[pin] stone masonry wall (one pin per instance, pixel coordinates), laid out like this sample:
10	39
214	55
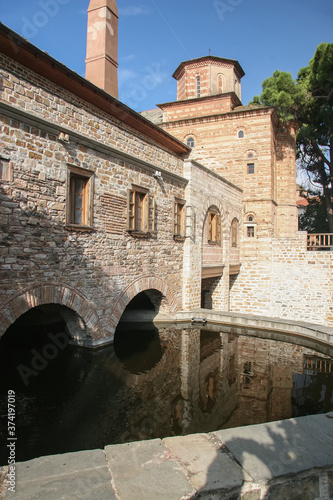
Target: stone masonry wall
296	284
100	269
204	190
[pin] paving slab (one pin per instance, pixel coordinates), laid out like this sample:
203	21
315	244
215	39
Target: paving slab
83	475
145	470
274	449
208	466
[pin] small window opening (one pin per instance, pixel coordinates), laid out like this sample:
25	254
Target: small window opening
250	168
198	86
190	142
250	231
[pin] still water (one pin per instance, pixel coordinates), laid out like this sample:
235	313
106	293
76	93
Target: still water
153	383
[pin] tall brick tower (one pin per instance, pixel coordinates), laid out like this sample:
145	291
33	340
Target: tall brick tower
102	45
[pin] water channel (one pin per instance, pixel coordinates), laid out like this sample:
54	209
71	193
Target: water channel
152	383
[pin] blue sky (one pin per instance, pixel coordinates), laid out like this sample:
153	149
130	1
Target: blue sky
155	36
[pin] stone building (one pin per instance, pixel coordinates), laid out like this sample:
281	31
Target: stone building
99	205
249	147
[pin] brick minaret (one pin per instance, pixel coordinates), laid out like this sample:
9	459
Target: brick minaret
102	45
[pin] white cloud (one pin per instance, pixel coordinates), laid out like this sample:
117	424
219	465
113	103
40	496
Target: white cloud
133	10
130	57
124	75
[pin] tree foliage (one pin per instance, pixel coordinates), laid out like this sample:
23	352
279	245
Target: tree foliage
308	101
314	217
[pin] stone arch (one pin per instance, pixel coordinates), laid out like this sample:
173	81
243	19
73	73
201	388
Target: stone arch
54	293
255	151
239	129
212	201
189	135
234	230
140	285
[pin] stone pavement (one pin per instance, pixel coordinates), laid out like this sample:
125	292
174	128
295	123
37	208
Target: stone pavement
288	459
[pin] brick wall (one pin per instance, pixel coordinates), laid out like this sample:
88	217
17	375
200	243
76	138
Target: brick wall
294	283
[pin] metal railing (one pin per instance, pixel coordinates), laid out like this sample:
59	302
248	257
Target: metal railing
320	241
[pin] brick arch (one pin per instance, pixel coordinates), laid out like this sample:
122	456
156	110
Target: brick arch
256	150
140	285
213	201
55	293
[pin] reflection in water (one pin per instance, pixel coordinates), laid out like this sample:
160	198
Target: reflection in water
154	383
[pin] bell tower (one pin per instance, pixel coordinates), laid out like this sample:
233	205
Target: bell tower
102	45
208	76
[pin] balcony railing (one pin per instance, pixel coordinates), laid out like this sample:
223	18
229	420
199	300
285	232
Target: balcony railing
320	241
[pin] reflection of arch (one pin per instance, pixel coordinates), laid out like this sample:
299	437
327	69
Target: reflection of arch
140	285
54	293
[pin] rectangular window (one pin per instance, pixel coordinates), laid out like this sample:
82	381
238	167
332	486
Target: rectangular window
250	168
250	231
179	219
4	170
140	211
79	197
214	227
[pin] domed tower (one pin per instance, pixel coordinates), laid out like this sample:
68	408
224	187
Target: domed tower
207	76
102	45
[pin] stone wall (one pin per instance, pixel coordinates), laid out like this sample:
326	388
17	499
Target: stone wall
204	190
98	269
296	284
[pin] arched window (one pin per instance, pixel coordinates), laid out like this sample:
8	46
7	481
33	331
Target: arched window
241	134
234	233
190	142
220	84
214	227
250	167
198	86
250	226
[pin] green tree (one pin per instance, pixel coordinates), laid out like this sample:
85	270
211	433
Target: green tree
308	101
314	217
